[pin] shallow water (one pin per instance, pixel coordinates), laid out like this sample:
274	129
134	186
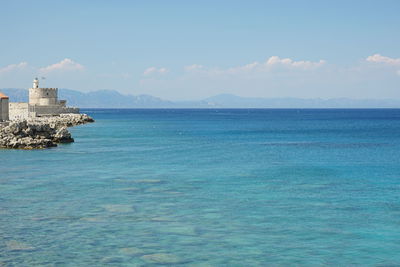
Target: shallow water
208	188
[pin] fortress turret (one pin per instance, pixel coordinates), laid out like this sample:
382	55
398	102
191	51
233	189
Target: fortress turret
42	96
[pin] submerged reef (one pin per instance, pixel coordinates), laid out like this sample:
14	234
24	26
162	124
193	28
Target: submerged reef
40	132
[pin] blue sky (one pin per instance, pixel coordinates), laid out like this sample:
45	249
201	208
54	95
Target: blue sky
193	49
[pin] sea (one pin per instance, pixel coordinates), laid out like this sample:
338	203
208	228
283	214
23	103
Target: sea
208	187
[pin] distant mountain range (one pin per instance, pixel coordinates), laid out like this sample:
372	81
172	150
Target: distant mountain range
114	99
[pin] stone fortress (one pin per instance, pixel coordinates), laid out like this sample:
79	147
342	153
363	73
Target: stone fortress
40	123
42	102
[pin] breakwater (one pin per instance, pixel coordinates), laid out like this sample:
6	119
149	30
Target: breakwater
40	132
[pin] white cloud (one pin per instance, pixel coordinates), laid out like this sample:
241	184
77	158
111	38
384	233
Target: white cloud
377	58
12	67
64	65
251	66
269	65
275	60
387	61
193	67
154	70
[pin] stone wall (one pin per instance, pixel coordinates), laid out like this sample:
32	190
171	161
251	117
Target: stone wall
69	110
18	110
4	109
50	110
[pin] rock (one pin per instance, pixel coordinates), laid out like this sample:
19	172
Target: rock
41	132
63	136
131	251
200	264
160	219
161	258
178	230
128	189
112	260
148	181
118	208
91	219
14	245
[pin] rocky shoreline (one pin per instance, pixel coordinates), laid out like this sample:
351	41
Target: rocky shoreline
40	132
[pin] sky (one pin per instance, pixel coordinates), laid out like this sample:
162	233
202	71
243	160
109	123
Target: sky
189	50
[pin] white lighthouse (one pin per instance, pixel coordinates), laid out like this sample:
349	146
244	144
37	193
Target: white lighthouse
35	83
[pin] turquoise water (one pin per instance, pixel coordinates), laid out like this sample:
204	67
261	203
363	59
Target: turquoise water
208	188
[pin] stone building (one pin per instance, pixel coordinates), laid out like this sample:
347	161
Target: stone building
42	102
4	108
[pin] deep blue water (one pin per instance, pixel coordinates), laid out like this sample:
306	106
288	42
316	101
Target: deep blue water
208	188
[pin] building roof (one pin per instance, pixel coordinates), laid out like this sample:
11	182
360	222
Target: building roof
3	96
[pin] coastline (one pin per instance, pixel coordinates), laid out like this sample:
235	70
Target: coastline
40	132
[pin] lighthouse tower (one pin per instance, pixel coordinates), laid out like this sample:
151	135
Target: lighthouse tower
35	83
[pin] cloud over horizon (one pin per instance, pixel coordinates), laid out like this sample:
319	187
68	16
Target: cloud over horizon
64	65
276	76
272	63
283	77
13	67
377	58
275	60
154	70
387	61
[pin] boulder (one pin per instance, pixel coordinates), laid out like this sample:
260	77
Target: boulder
42	132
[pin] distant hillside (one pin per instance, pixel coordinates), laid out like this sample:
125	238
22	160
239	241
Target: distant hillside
233	101
96	99
114	99
111	99
16	95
